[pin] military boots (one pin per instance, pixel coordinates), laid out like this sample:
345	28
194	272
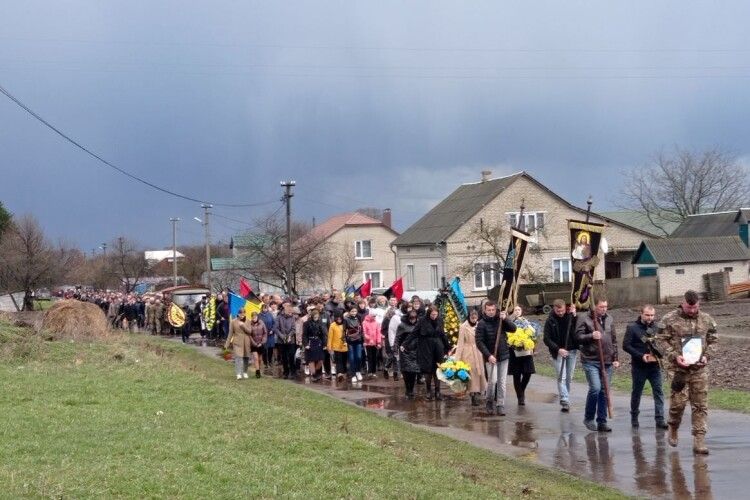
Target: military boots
699	445
672	438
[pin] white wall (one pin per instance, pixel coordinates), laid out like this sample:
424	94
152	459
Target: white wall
672	284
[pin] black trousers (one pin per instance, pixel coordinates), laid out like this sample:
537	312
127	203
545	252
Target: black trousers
372	358
430	379
520	381
326	362
287	359
340	359
410	378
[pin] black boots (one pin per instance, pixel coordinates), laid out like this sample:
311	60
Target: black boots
474	399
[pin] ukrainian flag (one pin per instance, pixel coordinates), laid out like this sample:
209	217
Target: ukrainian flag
237	303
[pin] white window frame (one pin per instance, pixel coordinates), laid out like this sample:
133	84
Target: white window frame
411	278
380	278
434	277
358	250
562	272
527	215
495	275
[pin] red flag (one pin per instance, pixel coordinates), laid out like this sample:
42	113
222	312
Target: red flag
245	288
396	289
365	289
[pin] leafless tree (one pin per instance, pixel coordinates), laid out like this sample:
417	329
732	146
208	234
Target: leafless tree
127	263
490	240
268	247
337	261
28	260
681	183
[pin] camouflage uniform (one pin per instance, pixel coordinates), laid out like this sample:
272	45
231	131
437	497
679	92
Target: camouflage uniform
675	327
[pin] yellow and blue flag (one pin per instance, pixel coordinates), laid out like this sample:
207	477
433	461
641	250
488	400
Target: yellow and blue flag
237	303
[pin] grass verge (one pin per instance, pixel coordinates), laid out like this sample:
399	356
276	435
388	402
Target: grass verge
134	416
725	399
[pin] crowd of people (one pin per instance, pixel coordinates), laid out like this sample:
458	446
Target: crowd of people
350	339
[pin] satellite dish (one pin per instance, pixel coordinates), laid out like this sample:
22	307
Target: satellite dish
604	246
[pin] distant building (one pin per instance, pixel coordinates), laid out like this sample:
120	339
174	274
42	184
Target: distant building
639	220
443	243
154	256
729	223
680	263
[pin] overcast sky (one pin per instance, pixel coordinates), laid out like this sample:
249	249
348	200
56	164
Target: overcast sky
386	104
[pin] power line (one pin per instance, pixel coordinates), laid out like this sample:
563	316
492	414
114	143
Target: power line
115	167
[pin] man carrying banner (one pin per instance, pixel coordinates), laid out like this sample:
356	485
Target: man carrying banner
595	335
492	342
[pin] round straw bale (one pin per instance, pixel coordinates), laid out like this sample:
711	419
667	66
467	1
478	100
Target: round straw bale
73	319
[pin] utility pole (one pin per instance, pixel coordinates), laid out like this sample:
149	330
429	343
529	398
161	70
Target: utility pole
174	221
287	198
205	208
104	248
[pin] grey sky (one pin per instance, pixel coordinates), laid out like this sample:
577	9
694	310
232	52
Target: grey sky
390	103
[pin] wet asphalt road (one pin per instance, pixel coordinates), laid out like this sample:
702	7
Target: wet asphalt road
638	462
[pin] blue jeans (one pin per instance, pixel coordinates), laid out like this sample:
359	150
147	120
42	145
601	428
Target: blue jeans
596	400
568	365
652	373
355	357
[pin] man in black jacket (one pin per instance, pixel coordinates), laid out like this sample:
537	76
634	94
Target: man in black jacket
559	337
496	354
645	366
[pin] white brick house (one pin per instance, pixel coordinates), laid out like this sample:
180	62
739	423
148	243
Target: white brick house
444	243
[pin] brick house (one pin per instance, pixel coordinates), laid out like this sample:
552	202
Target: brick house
445	243
359	246
355	247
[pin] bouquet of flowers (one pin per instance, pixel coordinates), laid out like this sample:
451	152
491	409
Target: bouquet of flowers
523	340
454	373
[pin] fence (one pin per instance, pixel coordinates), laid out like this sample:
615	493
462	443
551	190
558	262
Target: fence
620	292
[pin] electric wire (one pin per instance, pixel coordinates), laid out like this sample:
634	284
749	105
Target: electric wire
83	148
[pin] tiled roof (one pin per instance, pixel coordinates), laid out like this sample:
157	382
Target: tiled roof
694	250
332	225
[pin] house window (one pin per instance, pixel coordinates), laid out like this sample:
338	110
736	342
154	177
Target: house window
532	220
410	284
363	249
434	280
728	269
486	275
679	271
561	270
375	276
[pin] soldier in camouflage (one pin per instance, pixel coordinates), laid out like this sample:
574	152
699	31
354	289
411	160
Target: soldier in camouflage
689	381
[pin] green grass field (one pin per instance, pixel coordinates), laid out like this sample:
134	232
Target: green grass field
142	417
725	399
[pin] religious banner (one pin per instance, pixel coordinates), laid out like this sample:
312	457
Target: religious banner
585	239
519	240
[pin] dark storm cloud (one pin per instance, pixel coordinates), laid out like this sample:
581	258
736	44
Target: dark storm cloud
364	104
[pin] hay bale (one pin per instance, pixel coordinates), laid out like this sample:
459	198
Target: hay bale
73	319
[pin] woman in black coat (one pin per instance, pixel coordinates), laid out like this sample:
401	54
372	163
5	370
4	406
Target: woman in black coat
407	339
431	349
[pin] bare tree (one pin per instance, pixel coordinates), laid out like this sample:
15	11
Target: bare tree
673	186
490	240
127	263
28	260
268	248
337	261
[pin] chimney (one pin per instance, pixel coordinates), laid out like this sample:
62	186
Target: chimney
387	217
486	175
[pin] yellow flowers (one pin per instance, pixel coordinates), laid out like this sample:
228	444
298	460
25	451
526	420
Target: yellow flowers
451	322
522	338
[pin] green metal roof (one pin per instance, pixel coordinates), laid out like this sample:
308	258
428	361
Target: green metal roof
691	250
227	263
639	221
